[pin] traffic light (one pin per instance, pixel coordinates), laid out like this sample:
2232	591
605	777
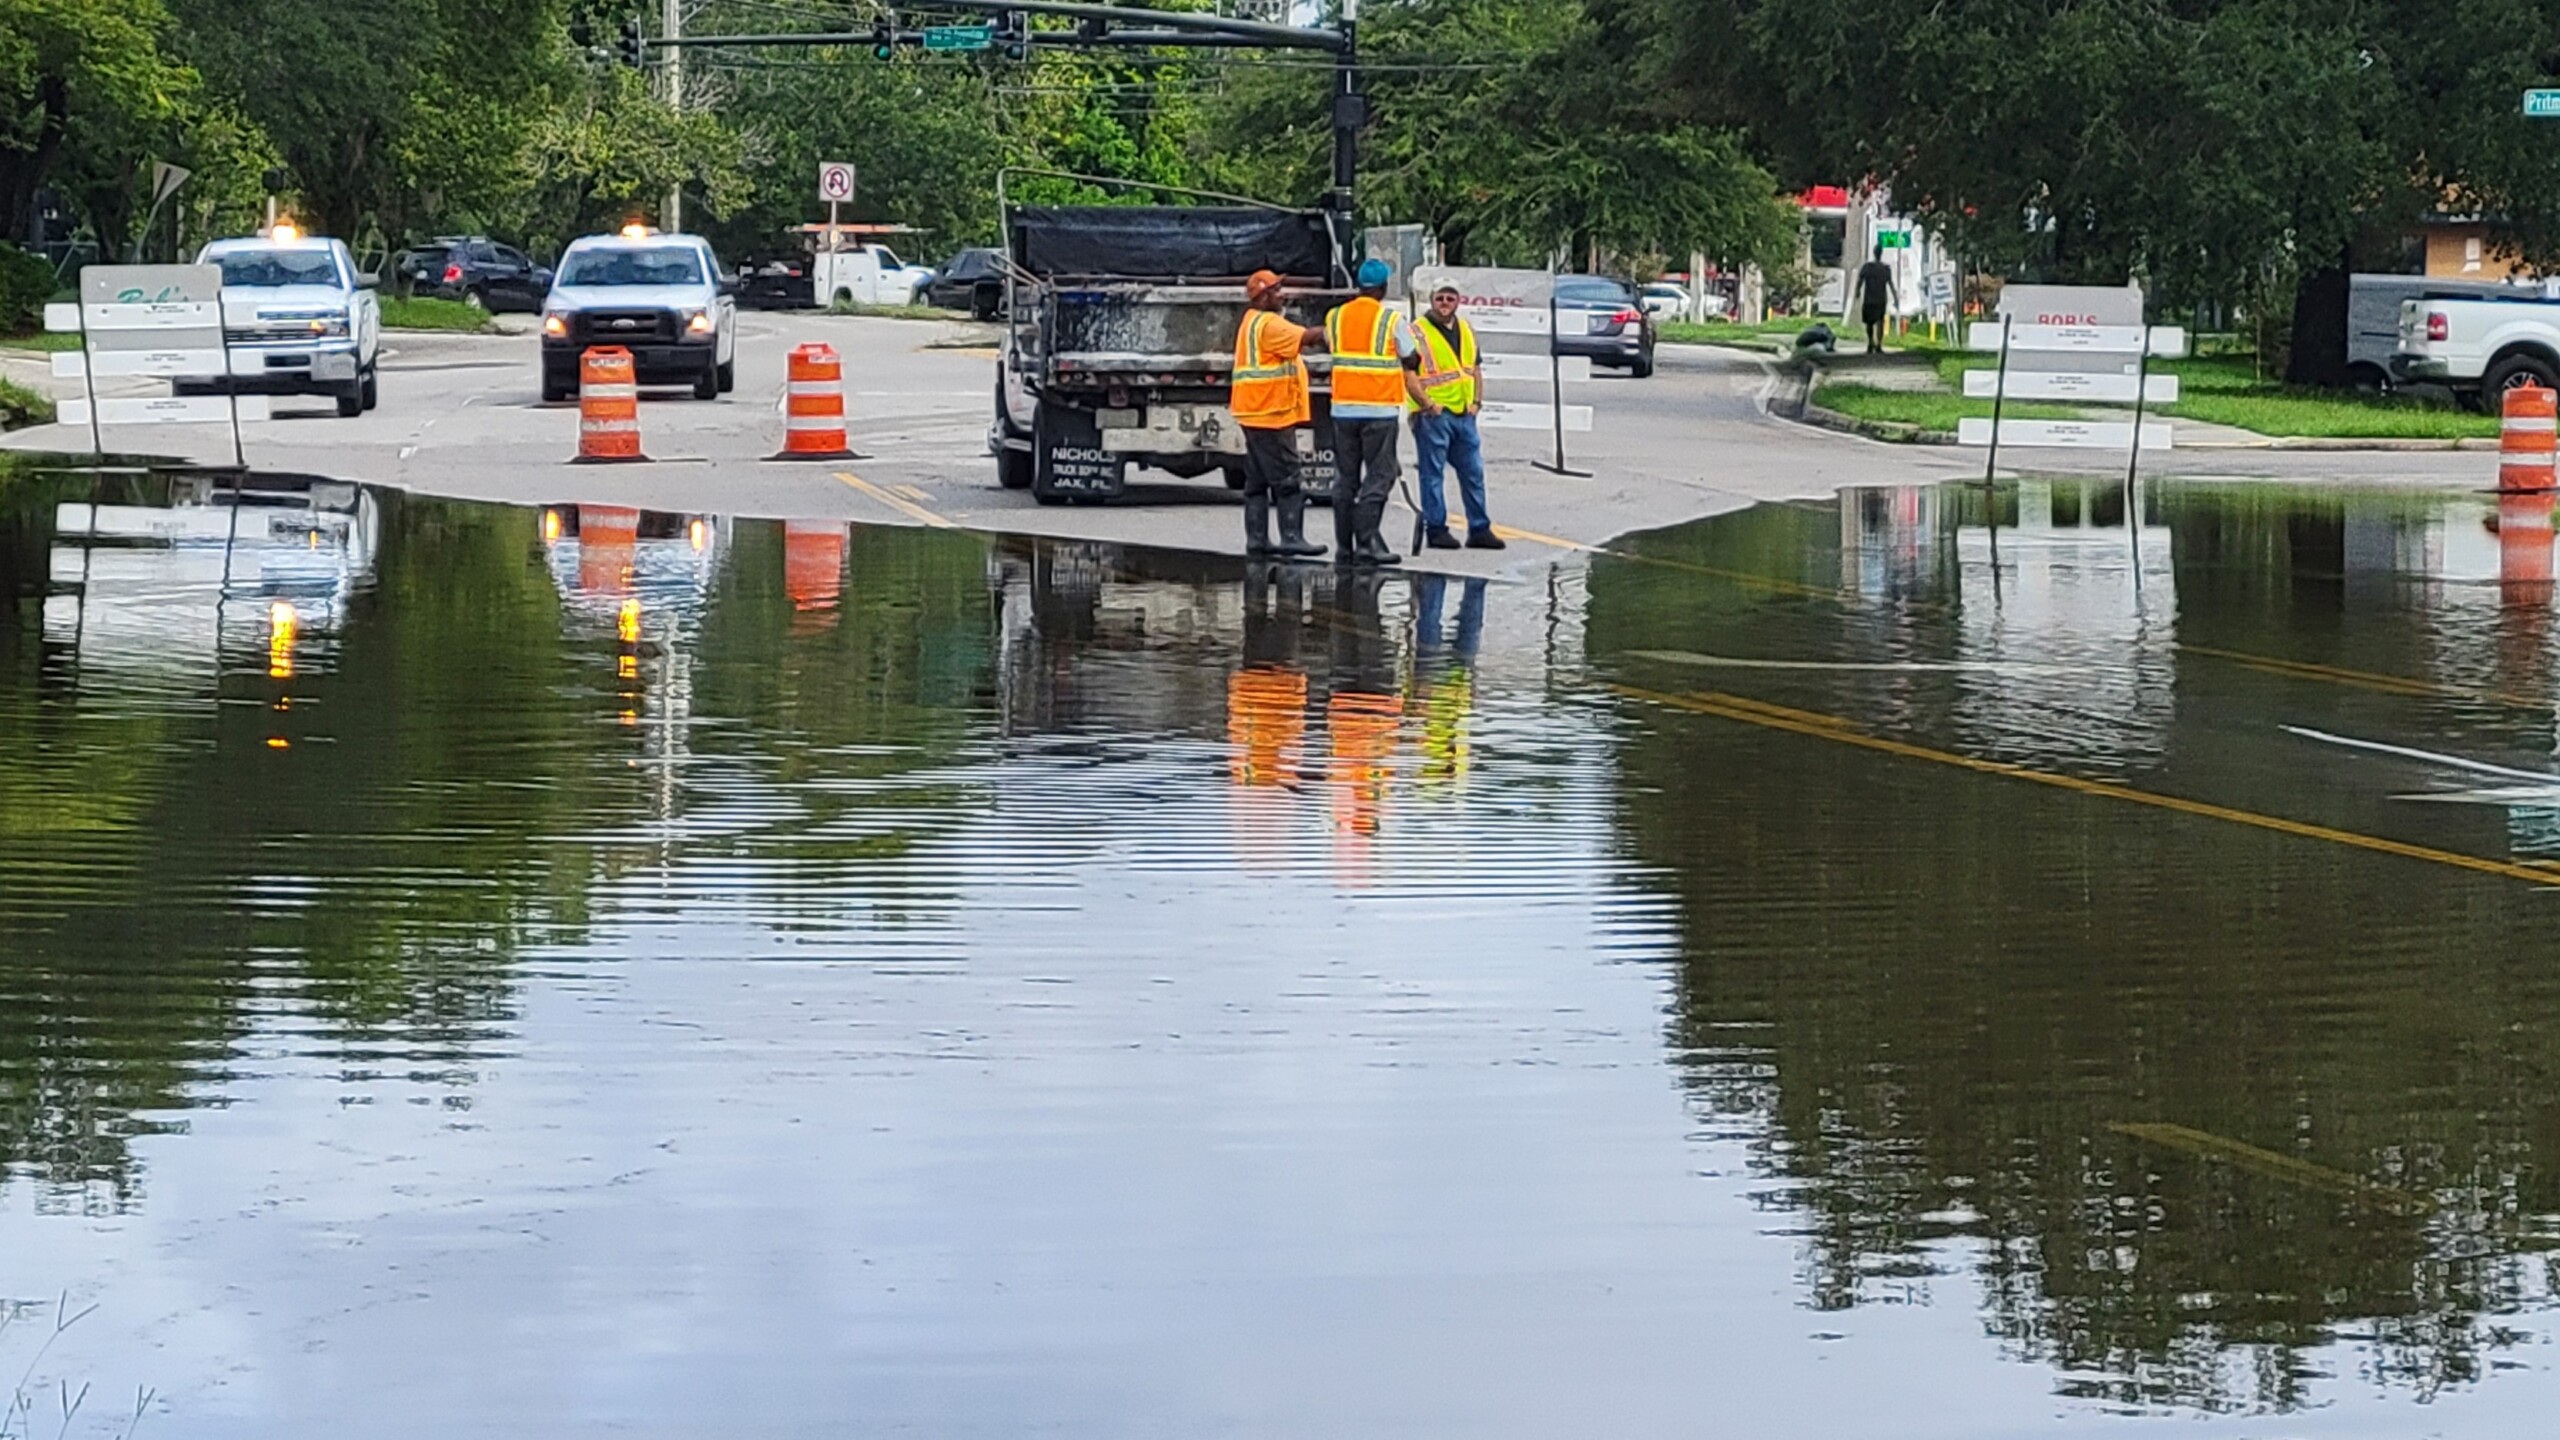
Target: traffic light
884	38
1013	32
634	53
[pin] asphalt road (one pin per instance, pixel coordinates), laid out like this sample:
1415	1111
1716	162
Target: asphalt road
461	415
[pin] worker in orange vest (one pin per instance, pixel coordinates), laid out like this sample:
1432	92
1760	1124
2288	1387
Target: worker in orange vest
1377	372
1267	390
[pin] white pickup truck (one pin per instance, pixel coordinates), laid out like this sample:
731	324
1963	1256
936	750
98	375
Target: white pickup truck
2481	347
866	275
299	320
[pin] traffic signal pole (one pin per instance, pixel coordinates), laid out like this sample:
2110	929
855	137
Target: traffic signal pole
671	219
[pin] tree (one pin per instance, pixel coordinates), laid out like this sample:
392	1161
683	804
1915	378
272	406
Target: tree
77	68
1508	128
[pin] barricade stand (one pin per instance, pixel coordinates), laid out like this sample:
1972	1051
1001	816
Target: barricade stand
2528	435
608	407
813	407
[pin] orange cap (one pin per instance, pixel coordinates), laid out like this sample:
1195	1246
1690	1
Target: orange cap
1259	284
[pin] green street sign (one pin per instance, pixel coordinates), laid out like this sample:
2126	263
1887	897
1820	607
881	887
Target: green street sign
1894	239
958	37
2542	104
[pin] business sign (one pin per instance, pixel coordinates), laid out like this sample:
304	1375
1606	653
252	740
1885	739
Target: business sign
147	322
2542	104
835	181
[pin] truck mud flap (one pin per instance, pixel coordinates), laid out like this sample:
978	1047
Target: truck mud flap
1068	459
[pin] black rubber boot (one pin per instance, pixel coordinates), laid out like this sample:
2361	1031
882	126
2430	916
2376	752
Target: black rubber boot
1346	531
1374	549
1293	529
1257	525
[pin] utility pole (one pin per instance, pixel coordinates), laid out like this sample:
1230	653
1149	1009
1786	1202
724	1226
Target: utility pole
671	219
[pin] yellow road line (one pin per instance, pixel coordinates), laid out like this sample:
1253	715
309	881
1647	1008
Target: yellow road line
899	503
1836	728
2364	679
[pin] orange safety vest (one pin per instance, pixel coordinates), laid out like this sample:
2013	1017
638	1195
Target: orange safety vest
1265	391
1366	371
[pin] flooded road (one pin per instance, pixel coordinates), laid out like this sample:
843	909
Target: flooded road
1833	970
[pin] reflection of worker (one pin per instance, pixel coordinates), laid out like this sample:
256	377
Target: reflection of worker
1267	698
1444	431
1376	370
1875	295
1362	714
1268	393
1444	672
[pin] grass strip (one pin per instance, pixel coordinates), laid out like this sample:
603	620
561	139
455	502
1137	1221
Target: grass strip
1927	409
2227	390
43	340
20	407
428	313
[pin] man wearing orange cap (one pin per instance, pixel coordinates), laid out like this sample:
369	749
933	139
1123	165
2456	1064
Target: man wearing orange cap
1268	393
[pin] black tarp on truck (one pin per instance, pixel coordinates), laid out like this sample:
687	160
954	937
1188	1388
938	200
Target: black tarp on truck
1122	332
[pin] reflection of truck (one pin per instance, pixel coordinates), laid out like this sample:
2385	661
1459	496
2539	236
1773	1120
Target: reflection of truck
1122	333
2480	347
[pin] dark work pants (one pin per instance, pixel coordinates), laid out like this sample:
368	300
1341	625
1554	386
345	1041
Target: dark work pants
1271	463
1364	469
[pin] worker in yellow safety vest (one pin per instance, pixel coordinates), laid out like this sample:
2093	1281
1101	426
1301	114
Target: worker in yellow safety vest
1377	368
1267	391
1444	430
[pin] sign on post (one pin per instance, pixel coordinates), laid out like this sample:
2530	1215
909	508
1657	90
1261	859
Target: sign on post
151	323
2542	104
835	181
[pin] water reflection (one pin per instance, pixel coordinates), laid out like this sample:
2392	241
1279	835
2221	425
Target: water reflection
2139	1076
928	981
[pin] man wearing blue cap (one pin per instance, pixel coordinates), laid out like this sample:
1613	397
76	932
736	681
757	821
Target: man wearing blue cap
1377	368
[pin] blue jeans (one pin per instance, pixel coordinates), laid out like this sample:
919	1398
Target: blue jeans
1451	440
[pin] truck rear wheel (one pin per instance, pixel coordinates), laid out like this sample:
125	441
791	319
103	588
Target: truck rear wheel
2510	372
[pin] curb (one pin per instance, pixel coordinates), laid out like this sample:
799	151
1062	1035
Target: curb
1896	433
1888	431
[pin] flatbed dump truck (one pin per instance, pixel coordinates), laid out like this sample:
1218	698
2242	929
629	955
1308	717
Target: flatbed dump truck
1120	328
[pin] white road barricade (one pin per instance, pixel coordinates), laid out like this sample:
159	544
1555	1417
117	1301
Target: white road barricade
1530	415
150	323
2072	434
2070	385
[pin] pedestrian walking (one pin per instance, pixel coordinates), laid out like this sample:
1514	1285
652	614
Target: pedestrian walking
1444	426
1377	368
1875	295
1268	392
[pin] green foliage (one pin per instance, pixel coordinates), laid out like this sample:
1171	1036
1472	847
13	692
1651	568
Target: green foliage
425	312
20	406
1510	128
26	282
84	88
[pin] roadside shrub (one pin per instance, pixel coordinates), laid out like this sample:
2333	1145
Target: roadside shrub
20	406
26	282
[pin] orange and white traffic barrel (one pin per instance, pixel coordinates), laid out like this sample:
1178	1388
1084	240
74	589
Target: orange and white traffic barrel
2528	435
813	406
608	406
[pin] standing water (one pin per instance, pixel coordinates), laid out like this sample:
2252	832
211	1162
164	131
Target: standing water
1930	964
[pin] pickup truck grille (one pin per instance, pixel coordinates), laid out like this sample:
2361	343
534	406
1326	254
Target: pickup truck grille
622	327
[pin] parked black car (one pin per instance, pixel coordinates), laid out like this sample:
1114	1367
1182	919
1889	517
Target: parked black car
973	281
477	271
1602	318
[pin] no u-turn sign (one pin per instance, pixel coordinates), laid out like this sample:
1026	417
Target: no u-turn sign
835	180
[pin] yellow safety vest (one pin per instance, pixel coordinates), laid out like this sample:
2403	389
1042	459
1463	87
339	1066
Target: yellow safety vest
1447	377
1265	391
1366	371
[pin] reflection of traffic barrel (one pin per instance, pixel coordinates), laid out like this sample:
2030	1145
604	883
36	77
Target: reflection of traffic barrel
813	407
1266	713
2524	546
608	406
812	563
2528	434
608	541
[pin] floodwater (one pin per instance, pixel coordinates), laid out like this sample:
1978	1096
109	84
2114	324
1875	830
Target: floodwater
1841	969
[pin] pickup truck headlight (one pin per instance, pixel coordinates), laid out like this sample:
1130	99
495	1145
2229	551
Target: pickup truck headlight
329	325
555	325
700	322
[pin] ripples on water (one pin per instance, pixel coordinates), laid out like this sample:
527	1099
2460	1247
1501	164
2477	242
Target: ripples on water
581	969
